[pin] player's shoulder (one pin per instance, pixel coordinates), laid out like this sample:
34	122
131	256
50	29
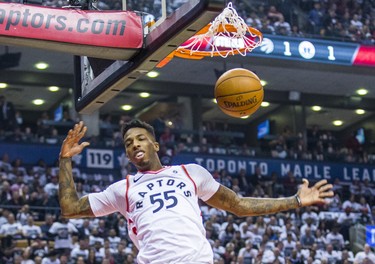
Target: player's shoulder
194	168
119	183
191	166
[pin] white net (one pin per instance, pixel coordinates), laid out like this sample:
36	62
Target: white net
227	35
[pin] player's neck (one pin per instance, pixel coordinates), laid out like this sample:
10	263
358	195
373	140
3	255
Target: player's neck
155	166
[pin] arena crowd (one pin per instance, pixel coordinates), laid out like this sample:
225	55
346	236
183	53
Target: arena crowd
32	230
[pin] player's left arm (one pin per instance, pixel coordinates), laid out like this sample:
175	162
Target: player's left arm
71	205
228	200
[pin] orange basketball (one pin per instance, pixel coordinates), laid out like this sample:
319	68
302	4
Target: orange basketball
238	92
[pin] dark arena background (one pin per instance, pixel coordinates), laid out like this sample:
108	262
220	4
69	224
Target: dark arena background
317	121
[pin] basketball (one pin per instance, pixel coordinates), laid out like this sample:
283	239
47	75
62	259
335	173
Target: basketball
239	92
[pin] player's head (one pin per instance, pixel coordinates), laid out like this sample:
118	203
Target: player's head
137	123
140	145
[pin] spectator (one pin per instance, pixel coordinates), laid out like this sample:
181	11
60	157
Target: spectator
218	249
62	230
114	240
243	182
267	27
95	237
335	239
51	258
316	18
120	255
227	234
38	249
52	187
307	239
365	256
5	193
30	230
5	164
257	178
289	245
23	214
363	205
99	255
43	126
274	15
290	184
7	115
310	214
353	144
81	250
11	230
331	255
102	229
167	137
334	204
282	27
347	256
230	254
48	221
278	148
122	228
16	202
296	32
350	203
247	254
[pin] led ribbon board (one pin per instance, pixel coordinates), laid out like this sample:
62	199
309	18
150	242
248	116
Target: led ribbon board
316	50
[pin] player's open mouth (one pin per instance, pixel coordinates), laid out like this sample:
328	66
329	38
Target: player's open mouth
139	155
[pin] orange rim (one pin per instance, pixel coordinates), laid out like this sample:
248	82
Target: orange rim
189	54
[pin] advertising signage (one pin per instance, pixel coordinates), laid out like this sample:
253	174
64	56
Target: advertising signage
114	159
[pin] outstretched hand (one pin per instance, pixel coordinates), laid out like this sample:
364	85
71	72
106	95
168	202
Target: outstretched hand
70	145
316	193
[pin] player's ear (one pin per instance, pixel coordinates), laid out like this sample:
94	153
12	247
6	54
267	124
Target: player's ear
156	146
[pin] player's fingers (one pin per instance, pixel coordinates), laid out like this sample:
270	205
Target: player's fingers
70	133
82	132
305	182
320	184
321	201
325	187
326	194
85	144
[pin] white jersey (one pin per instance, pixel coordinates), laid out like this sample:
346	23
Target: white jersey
163	214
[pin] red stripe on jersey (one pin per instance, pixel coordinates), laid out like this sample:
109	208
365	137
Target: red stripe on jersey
126	193
187	173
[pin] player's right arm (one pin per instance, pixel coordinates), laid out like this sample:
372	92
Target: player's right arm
71	205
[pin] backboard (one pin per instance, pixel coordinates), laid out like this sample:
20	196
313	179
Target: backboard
98	80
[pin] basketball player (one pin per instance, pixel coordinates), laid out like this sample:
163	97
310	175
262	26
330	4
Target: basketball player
161	203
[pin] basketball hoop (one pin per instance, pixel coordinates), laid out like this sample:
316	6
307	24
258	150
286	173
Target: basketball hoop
227	35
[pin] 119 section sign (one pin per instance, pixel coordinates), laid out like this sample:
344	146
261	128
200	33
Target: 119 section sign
99	158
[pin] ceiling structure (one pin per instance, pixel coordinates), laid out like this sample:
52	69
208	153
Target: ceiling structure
332	87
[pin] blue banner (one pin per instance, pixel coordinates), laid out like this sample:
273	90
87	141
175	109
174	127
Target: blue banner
109	159
91	158
301	169
370	235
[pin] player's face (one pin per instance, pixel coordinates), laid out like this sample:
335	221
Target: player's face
141	149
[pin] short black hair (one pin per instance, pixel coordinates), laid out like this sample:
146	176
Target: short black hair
137	123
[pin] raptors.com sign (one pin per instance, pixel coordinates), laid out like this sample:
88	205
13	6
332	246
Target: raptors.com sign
117	29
